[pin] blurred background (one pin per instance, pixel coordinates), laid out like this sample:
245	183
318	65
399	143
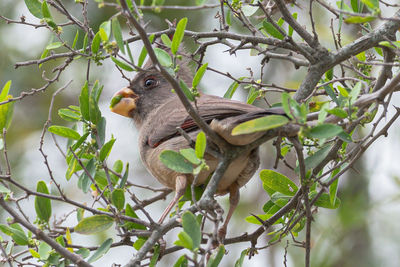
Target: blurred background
364	231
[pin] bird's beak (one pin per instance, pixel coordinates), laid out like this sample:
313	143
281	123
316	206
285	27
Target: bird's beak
124	102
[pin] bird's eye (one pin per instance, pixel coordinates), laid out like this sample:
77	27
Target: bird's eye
150	82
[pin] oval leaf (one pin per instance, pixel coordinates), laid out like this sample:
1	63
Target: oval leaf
96	43
42	204
192	228
103	249
178	35
163	57
116	29
175	161
84	102
106	149
35	7
260	124
326	130
94	224
64	132
324	201
201	143
278	182
118	198
121	64
199	74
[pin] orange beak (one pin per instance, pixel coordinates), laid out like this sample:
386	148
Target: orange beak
124	102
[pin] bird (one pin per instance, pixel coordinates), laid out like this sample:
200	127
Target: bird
157	113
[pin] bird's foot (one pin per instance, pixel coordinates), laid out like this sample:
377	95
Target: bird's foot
221	234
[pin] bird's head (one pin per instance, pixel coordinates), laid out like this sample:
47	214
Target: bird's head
147	91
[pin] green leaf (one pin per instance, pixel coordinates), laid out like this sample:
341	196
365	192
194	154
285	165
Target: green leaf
252	96
121	64
231	90
324	201
165	39
260	124
118	166
44	250
190	155
84	252
199	74
6	113
94	224
329	74
249	10
184	240
96	43
278	182
124	177
106	26
34	253
5	90
290	30
361	56
186	90
345	137
333	188
103	35
54	45
181	262
192	228
116	29
118	198
68	114
312	161
46	11
84	181
280	199
326	130
131	213
201	143
94	111
6	110
142	56
154	258
331	94
35	7
175	161
102	250
129	53
64	132
343	91
85	42
354	5
163	57
139	242
372	4
359	19
355	92
338	112
269	28
239	262
178	35
84	102
106	149
18	234
214	261
42	204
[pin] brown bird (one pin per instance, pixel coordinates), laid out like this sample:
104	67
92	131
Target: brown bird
158	112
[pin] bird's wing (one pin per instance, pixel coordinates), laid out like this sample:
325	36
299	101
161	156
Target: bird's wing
171	115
